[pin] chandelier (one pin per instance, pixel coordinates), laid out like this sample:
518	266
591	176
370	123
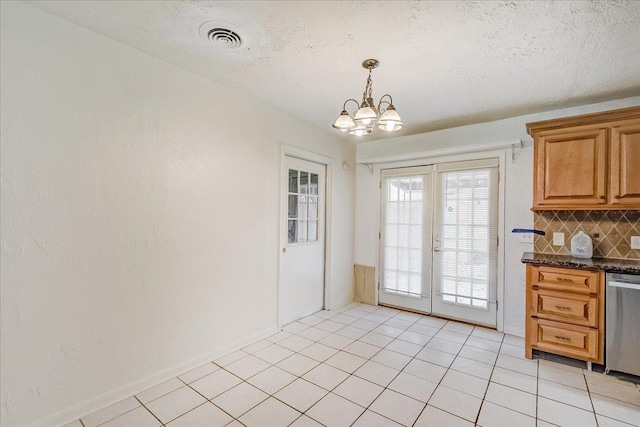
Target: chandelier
368	114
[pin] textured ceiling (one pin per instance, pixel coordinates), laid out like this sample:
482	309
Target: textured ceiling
445	63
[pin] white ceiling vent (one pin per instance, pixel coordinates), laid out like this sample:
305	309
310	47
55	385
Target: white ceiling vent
222	35
225	38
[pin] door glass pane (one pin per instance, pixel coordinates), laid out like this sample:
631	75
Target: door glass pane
402	235
302	207
304	182
313	231
293	206
467	223
302	231
314	183
313	207
292	232
293	181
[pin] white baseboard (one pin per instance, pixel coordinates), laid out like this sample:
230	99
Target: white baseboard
107	399
514	331
343	303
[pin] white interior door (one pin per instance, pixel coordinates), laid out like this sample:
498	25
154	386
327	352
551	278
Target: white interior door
303	223
406	238
439	240
465	241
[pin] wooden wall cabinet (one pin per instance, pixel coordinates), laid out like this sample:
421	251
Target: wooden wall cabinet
565	312
625	165
587	162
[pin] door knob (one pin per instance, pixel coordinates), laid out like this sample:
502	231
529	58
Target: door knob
284	250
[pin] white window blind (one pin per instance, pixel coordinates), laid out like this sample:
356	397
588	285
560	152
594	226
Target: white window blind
467	234
403	235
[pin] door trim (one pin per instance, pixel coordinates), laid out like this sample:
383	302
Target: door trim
299	153
502	159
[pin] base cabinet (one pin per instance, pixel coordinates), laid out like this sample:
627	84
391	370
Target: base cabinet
565	312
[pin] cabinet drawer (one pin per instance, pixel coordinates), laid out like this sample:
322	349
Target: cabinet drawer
560	338
563	279
578	309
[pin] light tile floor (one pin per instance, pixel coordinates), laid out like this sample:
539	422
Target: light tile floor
363	365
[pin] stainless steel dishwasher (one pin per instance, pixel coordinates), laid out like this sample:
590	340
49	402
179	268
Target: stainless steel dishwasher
623	323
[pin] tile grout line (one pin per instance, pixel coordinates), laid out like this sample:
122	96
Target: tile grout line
148	410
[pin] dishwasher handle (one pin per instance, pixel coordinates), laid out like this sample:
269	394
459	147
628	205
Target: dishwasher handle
614	284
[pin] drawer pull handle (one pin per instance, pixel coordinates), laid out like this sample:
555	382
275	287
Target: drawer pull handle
561	338
563	307
562	279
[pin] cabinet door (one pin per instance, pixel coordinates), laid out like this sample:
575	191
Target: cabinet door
570	169
625	165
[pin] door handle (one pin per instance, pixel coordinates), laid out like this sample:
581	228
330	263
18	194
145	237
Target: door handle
436	249
284	250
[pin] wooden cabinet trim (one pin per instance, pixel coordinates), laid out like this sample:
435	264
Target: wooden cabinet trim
584	120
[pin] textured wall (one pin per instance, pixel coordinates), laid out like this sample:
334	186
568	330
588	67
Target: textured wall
610	231
139	217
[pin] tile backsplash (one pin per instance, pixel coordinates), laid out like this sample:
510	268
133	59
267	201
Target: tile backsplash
610	231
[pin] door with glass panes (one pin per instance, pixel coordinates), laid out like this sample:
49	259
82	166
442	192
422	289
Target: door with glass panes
301	290
405	279
439	251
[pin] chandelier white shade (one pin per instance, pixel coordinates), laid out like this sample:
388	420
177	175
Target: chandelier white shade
368	114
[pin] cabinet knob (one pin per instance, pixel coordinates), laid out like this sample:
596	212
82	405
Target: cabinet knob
602	197
616	197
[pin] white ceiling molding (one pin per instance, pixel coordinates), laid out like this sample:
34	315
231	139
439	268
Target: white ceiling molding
440	152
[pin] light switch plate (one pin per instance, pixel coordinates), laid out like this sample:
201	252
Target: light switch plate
558	239
635	242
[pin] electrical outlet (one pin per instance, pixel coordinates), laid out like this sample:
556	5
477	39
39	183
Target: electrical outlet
526	238
558	239
635	242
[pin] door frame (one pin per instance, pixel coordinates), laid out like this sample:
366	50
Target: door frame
502	158
327	162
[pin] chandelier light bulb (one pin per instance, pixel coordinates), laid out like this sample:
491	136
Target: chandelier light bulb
390	120
365	115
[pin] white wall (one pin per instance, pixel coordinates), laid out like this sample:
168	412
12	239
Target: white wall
139	218
518	194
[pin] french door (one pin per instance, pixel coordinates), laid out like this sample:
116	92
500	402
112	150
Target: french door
439	239
406	238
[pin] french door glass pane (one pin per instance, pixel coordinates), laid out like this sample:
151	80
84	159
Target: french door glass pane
467	237
403	234
304	182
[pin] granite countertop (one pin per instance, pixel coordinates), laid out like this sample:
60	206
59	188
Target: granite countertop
629	266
